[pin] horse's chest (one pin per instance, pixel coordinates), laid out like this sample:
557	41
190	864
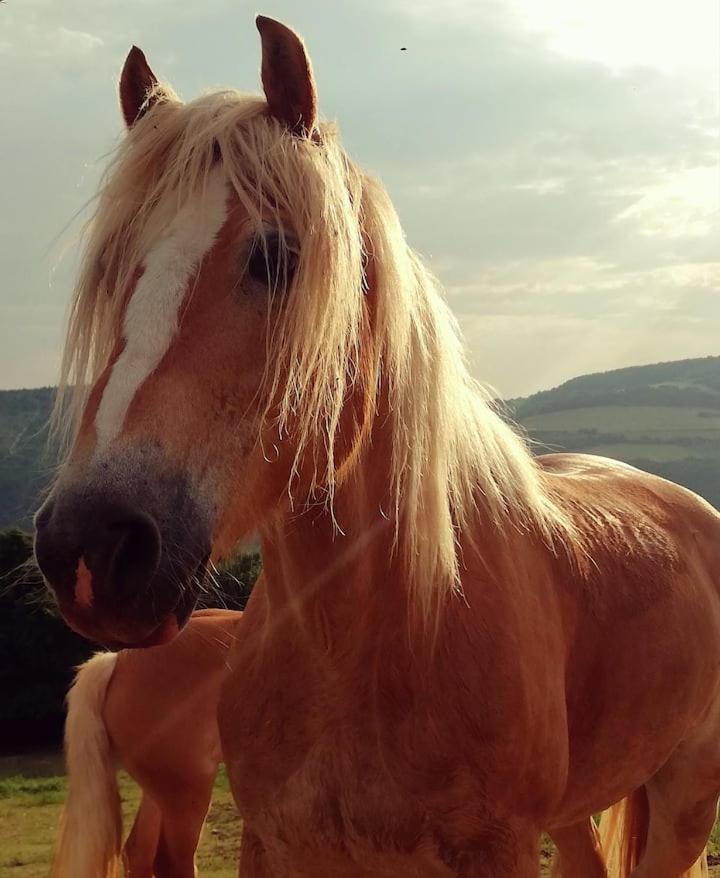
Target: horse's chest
358	773
372	763
341	792
309	759
339	811
305	766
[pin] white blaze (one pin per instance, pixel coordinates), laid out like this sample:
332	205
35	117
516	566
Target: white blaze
151	317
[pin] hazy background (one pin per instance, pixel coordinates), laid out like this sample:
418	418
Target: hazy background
557	161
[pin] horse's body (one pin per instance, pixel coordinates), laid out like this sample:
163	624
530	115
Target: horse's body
454	646
545	697
153	712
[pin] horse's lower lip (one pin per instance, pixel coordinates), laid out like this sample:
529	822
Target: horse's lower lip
99	624
101	632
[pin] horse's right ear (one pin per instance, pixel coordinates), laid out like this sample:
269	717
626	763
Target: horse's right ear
136	82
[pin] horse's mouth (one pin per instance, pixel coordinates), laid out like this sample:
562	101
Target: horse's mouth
115	634
166	631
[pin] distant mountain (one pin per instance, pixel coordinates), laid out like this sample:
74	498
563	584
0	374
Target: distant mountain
664	418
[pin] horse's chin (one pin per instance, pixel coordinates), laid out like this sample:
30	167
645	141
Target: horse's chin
165	632
116	637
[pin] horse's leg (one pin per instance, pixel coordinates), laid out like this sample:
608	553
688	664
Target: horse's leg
527	859
579	854
677	839
506	852
522	861
682	800
179	838
142	843
253	860
182	824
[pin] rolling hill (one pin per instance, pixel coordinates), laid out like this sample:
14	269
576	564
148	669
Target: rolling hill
664	418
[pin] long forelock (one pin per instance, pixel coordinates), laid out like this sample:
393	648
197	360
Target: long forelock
278	178
453	457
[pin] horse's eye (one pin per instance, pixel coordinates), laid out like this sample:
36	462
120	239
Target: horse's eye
272	261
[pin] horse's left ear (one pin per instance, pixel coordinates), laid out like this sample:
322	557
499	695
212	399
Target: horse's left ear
287	77
136	82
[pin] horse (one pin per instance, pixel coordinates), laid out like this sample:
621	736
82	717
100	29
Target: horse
153	712
456	645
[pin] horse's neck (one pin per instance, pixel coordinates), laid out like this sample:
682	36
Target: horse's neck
337	567
329	571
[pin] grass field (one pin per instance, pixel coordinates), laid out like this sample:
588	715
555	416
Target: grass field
32	790
664	421
31	794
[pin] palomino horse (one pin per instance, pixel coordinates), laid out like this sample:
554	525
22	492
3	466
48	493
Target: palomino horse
155	713
455	645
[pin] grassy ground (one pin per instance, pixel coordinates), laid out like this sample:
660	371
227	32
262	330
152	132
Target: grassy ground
32	790
31	794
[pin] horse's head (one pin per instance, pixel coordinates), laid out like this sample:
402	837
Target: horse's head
207	346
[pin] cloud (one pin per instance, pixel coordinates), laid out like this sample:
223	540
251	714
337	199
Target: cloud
76	41
666	36
33	36
562	183
684	204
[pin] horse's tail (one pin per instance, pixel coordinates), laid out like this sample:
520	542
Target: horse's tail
91	824
623	837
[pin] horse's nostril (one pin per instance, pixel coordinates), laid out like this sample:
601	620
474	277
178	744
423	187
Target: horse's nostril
134	551
117	571
101	554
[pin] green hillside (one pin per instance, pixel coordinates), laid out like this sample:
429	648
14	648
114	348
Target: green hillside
664	418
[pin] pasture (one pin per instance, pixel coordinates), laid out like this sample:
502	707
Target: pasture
32	789
650	421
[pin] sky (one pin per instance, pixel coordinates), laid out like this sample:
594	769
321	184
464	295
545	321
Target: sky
556	162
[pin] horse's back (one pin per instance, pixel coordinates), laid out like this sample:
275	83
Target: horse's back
607	482
621	510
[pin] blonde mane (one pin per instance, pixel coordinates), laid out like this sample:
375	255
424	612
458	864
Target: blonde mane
453	456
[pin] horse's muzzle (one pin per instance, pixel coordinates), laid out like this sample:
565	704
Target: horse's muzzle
123	573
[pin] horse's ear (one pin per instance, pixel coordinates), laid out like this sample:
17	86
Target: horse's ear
287	77
136	82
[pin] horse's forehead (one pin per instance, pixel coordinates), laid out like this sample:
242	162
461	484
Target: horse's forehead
180	238
182	211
